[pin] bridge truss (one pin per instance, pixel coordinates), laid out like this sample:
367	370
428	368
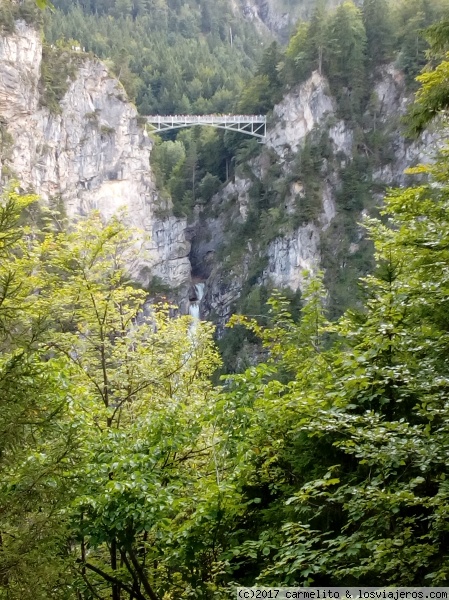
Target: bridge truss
255	125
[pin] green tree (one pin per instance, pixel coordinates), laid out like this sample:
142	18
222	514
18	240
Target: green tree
345	63
432	99
317	37
411	19
38	429
123	8
296	65
269	66
210	184
257	97
166	157
379	33
142	396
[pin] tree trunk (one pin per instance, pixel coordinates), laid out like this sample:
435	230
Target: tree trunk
142	576
115	585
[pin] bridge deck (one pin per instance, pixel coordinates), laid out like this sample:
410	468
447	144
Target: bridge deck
254	125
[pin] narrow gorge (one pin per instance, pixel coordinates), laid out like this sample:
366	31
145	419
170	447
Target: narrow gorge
92	151
223	357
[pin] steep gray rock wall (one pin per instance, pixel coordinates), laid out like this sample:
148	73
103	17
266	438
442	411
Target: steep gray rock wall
308	108
298	113
93	155
392	105
280	16
294	251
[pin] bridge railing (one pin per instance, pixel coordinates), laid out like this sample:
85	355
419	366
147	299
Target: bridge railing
206	118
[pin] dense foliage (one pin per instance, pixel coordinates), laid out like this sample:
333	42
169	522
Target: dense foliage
172	57
432	99
105	433
198	57
348	450
347	45
125	474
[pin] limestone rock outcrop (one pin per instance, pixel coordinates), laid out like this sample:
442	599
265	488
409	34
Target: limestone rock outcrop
307	109
298	113
91	153
277	16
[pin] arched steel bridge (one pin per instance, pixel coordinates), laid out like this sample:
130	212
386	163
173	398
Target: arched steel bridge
255	125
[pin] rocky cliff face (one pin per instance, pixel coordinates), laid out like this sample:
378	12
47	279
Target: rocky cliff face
296	245
279	16
90	154
297	115
294	251
266	227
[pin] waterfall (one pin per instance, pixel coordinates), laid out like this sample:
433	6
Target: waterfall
194	307
194	310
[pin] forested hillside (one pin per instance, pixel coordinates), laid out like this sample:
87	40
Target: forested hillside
127	470
172	57
198	57
338	141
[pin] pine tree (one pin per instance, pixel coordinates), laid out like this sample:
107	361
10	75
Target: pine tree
317	37
379	33
346	58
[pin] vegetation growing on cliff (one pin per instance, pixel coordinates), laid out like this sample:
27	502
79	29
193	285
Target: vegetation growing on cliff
10	12
125	474
172	57
348	46
351	47
59	66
